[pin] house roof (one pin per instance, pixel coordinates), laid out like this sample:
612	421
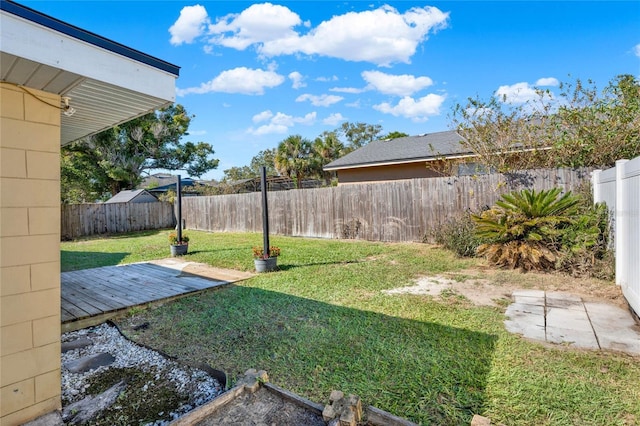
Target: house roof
128	195
427	147
107	83
184	182
160	183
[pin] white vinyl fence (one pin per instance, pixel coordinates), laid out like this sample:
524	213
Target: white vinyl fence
619	188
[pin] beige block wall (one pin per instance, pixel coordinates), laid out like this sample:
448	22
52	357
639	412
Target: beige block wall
29	254
386	173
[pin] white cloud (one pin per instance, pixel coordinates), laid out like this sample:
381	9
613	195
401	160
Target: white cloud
636	50
190	25
547	81
268	129
197	132
297	80
334	119
262	116
326	79
417	110
282	119
518	93
346	90
279	123
401	85
322	100
258	24
381	36
307	120
238	80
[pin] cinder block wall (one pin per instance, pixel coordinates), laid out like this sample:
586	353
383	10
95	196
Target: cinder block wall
29	254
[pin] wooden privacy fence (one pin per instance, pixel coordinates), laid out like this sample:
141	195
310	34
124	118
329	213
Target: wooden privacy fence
79	220
401	210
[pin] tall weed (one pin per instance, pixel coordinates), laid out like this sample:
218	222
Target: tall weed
457	234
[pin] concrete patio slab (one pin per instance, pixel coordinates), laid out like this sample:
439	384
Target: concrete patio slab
568	318
564	300
526	308
563	318
572	337
529	293
529	300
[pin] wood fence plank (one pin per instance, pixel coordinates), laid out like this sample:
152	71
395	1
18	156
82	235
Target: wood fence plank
78	220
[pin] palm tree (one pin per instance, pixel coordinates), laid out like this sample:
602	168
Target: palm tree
326	148
293	158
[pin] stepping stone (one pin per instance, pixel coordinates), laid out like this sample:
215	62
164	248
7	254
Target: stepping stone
526	319
529	297
615	328
84	364
564	300
85	410
82	342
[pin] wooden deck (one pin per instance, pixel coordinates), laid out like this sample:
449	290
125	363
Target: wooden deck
92	296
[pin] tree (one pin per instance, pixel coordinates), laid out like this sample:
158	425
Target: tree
395	135
498	133
115	159
238	173
359	134
293	158
579	127
326	148
78	186
265	159
592	129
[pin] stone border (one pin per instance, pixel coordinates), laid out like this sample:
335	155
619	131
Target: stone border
219	375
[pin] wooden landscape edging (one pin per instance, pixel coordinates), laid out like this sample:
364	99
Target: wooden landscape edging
254	380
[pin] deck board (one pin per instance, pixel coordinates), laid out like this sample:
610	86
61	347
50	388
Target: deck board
91	296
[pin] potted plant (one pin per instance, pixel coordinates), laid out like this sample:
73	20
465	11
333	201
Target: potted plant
266	262
178	247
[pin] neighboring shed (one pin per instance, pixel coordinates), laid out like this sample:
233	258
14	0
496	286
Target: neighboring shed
423	156
133	196
58	83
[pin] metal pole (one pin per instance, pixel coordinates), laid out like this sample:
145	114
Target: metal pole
265	211
179	210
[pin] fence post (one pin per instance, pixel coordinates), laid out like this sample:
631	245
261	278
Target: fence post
620	233
595	186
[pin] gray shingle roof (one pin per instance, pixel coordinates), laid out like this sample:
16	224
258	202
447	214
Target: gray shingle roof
411	148
127	196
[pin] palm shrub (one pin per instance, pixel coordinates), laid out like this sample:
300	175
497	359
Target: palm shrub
524	228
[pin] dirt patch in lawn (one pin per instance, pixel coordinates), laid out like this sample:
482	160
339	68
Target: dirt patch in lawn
491	287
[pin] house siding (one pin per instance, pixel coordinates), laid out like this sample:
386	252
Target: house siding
29	254
386	173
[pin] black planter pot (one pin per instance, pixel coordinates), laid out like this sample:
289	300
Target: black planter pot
266	265
179	249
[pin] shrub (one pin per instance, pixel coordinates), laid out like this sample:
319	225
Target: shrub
524	228
585	243
458	235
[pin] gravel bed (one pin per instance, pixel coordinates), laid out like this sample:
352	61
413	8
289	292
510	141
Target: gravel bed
197	385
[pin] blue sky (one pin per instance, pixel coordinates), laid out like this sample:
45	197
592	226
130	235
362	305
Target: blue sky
254	73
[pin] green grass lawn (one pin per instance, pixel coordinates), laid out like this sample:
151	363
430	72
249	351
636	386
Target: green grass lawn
323	323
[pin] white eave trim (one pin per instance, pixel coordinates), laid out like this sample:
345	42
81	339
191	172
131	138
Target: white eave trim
29	40
396	162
